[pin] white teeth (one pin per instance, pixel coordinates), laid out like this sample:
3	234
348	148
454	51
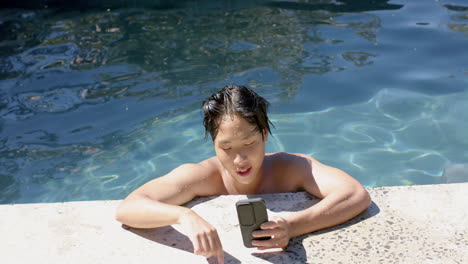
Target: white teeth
242	170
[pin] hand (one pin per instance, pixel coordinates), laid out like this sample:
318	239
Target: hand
204	236
278	229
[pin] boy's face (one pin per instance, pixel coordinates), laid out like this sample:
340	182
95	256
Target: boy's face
240	148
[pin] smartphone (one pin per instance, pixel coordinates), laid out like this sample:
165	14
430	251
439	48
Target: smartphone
251	213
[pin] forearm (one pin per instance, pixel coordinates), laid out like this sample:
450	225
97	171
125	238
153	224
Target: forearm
332	210
141	212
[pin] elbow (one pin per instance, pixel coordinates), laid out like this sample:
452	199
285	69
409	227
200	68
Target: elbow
362	198
119	217
129	211
120	213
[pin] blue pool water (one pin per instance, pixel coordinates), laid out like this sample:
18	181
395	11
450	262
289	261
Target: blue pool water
95	102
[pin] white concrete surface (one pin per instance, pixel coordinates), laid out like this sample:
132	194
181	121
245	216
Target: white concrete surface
416	224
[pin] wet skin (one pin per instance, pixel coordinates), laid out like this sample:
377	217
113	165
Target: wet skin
242	167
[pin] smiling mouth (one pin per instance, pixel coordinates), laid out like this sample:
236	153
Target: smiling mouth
244	172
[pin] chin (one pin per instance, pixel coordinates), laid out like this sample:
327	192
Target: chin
245	179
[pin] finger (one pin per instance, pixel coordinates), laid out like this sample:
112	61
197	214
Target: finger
203	247
220	252
265	248
264	233
205	244
275	241
197	248
269	225
220	256
264	243
214	242
267	244
216	249
276	218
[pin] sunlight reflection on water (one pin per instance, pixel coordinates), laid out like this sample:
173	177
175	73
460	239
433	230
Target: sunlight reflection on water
94	104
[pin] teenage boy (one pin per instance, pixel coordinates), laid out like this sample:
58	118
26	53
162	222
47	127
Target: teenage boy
236	118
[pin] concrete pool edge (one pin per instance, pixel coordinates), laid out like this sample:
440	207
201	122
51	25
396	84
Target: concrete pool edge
405	224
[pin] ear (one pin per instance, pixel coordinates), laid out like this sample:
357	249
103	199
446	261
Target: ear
265	135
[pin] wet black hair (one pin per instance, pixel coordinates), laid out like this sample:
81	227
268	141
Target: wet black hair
235	100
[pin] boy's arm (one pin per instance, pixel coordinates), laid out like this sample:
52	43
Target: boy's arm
342	199
157	203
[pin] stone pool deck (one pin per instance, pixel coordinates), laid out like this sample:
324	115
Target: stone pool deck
415	224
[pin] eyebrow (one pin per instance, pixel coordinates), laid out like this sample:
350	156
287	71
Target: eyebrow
244	138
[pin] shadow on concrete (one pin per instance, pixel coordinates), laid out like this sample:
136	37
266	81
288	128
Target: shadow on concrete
290	202
296	253
372	211
168	236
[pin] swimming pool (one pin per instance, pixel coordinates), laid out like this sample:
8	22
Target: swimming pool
95	103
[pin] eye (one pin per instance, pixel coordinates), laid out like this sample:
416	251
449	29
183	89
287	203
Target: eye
225	149
250	144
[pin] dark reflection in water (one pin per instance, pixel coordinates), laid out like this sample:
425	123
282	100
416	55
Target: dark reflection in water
97	98
459	19
329	5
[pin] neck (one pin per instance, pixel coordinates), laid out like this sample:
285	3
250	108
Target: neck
235	187
254	187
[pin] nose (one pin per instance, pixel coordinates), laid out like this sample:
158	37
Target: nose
240	159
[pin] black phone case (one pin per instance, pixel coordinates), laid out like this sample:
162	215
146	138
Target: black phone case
251	213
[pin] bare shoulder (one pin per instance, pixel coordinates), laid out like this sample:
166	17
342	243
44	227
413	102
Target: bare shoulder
204	178
328	179
289	171
313	176
296	163
211	180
